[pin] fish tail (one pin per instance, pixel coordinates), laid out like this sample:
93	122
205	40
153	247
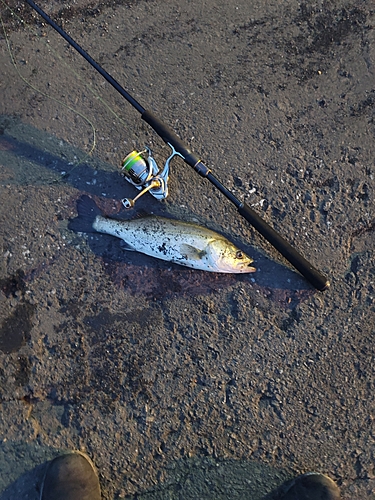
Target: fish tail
87	212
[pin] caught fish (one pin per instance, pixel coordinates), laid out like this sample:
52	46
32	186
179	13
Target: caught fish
175	241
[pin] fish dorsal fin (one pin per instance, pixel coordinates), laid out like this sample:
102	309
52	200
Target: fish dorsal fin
140	214
192	252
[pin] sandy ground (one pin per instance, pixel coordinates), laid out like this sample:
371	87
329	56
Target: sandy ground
182	384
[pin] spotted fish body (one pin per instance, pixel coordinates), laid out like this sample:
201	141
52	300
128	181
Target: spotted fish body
179	242
175	241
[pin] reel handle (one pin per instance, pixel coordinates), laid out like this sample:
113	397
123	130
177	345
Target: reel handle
129	202
315	277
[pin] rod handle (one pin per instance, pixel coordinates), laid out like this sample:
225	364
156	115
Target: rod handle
315	277
170	137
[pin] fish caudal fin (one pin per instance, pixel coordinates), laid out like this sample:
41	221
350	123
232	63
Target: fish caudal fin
87	212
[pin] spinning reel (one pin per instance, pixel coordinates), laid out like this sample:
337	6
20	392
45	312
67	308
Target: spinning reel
144	175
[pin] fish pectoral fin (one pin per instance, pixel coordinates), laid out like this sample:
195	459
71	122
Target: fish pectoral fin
191	252
126	246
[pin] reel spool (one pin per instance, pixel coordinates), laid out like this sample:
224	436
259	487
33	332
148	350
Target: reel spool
136	170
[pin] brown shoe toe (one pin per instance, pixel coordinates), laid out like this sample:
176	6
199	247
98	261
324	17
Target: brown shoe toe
70	477
310	486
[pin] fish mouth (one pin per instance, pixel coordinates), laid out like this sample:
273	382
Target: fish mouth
244	267
248	268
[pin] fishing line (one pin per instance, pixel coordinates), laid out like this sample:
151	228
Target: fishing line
41	92
156	184
71	70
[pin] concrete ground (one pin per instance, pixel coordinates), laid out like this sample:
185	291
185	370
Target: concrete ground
182	384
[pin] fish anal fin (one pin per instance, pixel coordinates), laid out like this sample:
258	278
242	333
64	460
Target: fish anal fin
126	246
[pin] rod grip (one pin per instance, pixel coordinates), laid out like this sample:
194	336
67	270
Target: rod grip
315	277
170	137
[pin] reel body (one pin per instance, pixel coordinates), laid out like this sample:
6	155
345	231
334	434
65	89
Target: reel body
144	174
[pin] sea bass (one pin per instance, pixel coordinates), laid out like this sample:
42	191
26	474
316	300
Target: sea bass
172	240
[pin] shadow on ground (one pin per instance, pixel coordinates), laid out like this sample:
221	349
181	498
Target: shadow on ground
35	157
195	478
23	465
208	479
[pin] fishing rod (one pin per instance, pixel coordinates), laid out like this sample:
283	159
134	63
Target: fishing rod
144	173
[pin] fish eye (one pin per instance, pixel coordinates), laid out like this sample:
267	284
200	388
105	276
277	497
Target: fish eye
239	254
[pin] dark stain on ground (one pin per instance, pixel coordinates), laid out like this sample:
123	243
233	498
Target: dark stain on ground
23	371
320	30
161	282
102	324
106	320
116	334
15	330
106	366
13	284
329	27
71	308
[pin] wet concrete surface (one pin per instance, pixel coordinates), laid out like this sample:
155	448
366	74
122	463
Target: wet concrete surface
180	383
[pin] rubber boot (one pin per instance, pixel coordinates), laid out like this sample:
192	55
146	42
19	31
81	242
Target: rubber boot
71	477
310	486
